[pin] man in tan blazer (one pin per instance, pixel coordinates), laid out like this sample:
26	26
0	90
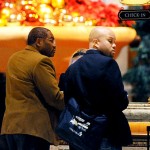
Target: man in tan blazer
33	97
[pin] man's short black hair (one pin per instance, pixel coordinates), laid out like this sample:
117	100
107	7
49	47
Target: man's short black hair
37	32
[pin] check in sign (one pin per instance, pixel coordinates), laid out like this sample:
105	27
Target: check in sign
134	14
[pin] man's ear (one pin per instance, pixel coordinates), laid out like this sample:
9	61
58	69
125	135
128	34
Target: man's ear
95	41
39	42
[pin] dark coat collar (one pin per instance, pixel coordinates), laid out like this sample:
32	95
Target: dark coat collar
94	51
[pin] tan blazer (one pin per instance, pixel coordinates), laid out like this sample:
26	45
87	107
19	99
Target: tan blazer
31	79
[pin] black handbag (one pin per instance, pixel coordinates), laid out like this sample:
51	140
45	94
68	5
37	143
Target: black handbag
80	130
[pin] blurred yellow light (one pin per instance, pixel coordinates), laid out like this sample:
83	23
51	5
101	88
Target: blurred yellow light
5	12
58	3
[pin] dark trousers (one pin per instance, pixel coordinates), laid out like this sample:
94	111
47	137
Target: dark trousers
3	143
26	142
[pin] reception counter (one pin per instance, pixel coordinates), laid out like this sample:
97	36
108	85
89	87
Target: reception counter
138	115
68	39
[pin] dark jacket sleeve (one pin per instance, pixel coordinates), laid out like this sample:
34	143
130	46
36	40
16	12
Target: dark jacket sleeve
114	86
62	82
118	130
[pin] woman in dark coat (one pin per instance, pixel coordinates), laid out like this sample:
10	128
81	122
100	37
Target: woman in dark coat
3	144
2	96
